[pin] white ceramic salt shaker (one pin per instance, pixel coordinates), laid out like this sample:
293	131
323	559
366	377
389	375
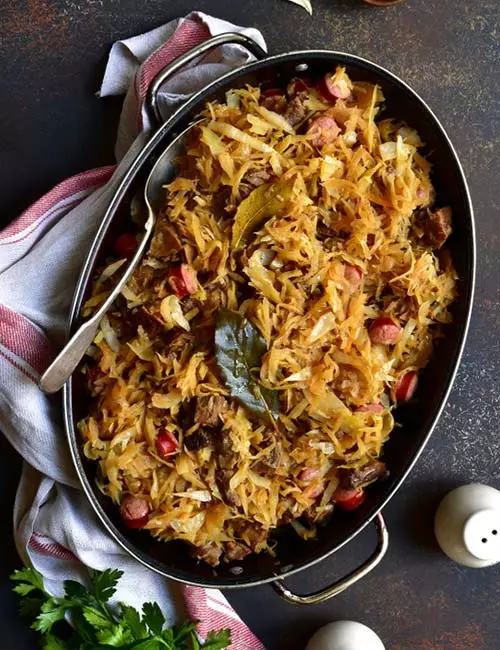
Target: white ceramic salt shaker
345	635
467	525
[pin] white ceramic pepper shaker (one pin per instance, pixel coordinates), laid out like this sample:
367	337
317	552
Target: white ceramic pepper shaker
467	525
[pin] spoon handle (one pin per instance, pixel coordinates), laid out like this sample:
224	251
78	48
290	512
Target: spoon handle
68	358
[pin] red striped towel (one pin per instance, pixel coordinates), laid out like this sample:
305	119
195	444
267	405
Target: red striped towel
41	254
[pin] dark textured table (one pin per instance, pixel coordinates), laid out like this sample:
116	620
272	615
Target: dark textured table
51	126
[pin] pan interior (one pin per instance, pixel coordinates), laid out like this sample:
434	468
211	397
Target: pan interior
416	419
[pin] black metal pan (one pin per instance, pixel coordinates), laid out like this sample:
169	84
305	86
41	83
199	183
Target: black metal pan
417	418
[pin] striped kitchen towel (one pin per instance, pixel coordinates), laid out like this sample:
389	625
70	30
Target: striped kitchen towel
41	254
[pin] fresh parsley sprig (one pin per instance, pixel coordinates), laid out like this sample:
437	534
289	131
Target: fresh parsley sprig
95	625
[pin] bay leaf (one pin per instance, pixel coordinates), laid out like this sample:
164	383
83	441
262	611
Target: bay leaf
262	203
239	347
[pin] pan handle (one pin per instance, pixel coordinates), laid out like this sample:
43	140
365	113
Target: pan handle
184	59
344	583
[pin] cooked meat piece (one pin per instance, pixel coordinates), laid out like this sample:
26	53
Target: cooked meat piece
227	460
165	242
274	103
267	464
182	279
309	474
235	552
370	408
142	278
384	331
361	476
438	227
220	202
254	534
406	386
325	130
208	410
335	86
296	110
353	275
121	325
433	228
153	325
209	553
188	303
251	180
198	440
134	511
257	178
215	297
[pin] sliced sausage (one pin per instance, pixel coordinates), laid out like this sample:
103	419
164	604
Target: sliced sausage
134	511
353	275
314	491
370	408
406	386
309	474
348	499
166	444
335	86
125	245
182	279
385	331
325	130
298	85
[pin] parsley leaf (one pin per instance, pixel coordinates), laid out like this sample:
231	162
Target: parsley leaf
114	636
51	612
75	591
217	640
51	642
97	626
104	583
153	617
96	618
28	576
132	620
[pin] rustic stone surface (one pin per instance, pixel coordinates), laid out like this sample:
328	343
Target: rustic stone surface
53	53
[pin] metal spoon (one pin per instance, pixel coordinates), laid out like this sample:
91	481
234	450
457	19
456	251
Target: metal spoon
69	357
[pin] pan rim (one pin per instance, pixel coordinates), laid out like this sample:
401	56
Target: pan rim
137	164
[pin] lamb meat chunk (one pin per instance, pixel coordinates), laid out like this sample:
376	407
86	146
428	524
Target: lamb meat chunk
438	227
274	451
275	103
209	553
208	410
254	534
235	552
198	440
251	180
433	228
257	177
221	202
227	461
296	110
361	476
165	242
142	278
